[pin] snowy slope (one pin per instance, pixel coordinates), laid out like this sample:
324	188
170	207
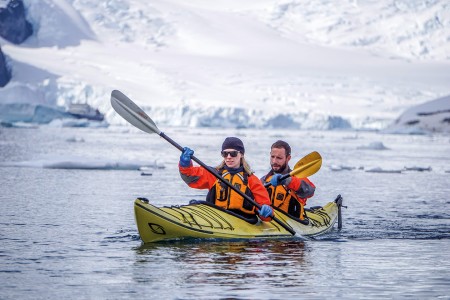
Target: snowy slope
315	64
432	116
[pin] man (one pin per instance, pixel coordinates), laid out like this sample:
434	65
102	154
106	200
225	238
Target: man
289	195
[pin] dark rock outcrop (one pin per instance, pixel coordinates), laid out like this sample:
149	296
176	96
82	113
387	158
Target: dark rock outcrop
13	25
5	75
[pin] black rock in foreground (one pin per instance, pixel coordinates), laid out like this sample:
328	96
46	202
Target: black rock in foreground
13	24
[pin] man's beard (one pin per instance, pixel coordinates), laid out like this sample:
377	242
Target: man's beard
281	169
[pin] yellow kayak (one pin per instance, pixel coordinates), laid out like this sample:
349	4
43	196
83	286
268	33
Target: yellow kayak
202	220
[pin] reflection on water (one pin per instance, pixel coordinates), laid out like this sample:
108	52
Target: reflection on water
229	253
225	264
319	269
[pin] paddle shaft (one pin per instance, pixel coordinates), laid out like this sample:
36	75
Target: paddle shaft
213	172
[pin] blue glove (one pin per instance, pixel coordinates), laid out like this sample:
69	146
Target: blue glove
185	158
265	211
275	180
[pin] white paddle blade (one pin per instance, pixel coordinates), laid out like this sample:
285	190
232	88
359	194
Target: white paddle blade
128	110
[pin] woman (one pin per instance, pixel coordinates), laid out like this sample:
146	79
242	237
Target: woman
235	170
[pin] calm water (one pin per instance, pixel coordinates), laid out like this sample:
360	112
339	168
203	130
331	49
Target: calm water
69	234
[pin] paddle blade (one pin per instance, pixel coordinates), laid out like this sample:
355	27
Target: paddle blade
128	110
307	166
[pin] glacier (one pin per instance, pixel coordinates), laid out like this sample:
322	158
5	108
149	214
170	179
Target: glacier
268	64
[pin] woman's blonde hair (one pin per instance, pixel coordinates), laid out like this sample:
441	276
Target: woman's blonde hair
244	163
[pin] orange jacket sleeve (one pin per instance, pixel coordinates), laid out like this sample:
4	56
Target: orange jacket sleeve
258	190
259	193
303	187
197	177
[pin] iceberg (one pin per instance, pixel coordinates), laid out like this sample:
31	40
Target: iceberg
30	112
429	117
380	170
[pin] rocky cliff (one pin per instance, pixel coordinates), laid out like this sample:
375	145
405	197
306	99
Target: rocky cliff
14	26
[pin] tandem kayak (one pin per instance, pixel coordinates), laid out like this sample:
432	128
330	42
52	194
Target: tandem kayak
203	220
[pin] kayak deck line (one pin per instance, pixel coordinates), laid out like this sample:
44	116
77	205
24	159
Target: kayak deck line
179	224
325	216
217	216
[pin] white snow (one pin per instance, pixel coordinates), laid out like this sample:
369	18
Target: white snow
267	64
3	3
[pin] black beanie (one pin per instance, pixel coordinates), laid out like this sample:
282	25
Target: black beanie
233	143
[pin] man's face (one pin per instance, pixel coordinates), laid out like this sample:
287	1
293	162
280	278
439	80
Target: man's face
278	159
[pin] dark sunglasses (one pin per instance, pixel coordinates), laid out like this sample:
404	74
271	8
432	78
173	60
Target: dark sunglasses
233	153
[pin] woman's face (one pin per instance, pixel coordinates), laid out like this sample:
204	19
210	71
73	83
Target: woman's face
230	161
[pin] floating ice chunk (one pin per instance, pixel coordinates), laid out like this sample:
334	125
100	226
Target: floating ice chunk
341	168
419	169
19	125
335	168
82	163
75	139
380	170
374	146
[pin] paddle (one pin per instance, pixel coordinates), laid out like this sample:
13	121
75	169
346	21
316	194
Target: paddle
137	117
305	167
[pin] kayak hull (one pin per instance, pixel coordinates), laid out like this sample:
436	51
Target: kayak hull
202	220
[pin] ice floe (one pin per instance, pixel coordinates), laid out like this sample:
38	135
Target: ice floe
85	164
373	146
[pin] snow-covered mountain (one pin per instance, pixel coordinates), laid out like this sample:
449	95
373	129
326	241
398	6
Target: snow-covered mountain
432	116
298	64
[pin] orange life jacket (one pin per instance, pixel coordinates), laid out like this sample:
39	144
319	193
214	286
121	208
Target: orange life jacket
225	197
281	198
